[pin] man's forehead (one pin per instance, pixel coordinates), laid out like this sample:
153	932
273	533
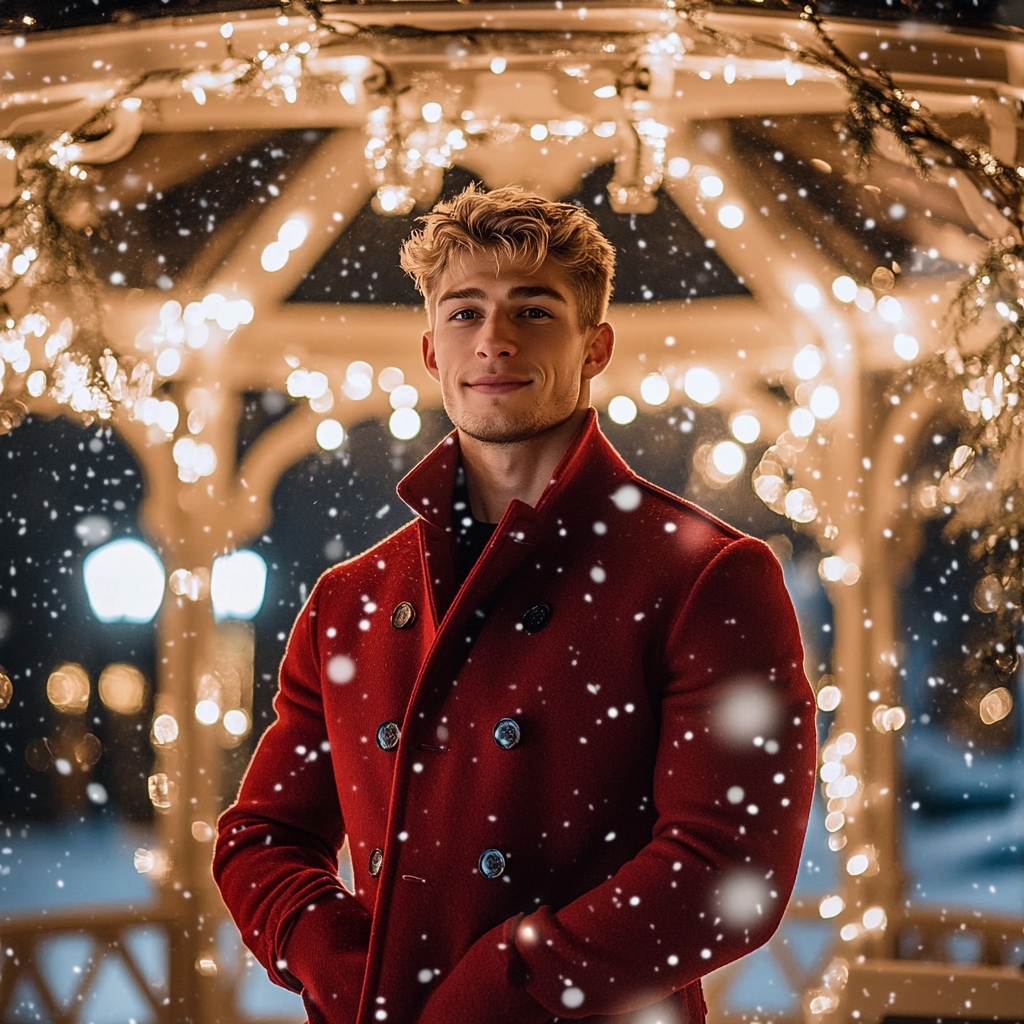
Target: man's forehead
486	276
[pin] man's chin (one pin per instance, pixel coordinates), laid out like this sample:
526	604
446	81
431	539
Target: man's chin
505	428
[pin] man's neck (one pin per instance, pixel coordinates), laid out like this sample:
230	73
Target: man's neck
496	474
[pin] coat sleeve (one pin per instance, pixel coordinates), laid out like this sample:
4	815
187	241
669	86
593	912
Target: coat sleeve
276	856
733	782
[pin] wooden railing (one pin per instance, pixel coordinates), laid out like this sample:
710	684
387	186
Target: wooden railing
52	968
33	984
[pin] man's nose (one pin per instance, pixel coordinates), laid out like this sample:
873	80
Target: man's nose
494	339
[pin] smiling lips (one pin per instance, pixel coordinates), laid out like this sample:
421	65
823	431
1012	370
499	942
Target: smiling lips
498	384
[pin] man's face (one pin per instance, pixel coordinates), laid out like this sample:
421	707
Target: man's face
507	348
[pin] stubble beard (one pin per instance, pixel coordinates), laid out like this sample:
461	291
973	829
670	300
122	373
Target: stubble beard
502	426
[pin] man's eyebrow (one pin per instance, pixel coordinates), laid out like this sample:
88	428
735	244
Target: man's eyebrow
462	293
534	291
522	291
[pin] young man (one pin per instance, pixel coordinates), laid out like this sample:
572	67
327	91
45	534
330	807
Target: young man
573	752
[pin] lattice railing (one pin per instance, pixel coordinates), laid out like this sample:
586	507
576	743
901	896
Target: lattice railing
63	968
60	968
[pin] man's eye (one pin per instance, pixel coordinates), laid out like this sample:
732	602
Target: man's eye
535	313
463	314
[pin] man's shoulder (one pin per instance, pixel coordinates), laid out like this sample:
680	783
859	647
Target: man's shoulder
686	516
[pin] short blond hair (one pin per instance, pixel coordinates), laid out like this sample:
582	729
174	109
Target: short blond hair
514	224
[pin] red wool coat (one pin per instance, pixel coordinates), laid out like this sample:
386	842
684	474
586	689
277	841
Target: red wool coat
571	787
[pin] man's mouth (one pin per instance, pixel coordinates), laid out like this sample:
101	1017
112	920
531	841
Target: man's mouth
498	384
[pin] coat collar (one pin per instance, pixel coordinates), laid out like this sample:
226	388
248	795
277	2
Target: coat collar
589	467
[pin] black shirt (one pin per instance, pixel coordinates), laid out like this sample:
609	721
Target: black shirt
471	535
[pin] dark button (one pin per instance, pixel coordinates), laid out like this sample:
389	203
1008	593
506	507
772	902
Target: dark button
388	735
492	864
536	618
507	733
376	859
403	616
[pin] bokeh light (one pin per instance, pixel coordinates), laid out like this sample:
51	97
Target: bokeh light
702	385
237	584
67	688
124	581
122	688
622	410
655	389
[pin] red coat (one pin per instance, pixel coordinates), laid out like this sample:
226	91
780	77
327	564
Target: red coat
637	825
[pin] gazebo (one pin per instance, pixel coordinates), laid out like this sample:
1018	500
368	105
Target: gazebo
239	179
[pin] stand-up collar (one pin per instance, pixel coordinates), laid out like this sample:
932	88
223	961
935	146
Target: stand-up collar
589	467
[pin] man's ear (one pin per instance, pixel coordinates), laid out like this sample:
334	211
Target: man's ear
600	346
429	356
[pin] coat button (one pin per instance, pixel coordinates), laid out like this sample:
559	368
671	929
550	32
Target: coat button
403	616
388	735
536	618
507	733
376	859
492	864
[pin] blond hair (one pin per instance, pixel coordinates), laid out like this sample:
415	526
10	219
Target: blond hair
514	225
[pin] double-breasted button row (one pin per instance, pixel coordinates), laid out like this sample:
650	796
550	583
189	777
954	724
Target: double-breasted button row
388	735
376	860
507	735
492	863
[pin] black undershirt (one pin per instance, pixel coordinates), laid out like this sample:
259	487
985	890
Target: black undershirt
471	535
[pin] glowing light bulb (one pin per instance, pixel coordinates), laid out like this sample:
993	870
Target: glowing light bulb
831	906
655	389
829	697
390	378
678	167
702	385
808	362
711	186
824	401
293	233
207	712
238	582
236	722
802	421
745	427
807	296
889	309
857	864
405	396
622	409
124	581
329	435
404	423
906	346
730	216
844	288
728	458
274	257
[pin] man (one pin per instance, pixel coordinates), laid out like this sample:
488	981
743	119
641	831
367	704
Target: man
573	752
